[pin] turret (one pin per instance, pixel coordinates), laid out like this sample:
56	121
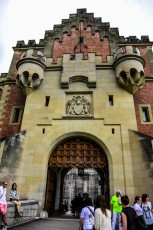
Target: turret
129	68
30	70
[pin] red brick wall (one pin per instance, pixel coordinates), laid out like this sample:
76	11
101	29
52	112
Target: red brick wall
144	96
144	54
15	98
92	43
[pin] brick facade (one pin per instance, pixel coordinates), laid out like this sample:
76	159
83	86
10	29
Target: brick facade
144	96
145	55
92	43
14	98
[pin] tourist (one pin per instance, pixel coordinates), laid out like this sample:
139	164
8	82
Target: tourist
140	221
87	214
116	207
102	215
14	198
3	205
128	215
73	206
147	211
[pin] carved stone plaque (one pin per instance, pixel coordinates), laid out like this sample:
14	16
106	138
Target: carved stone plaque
78	105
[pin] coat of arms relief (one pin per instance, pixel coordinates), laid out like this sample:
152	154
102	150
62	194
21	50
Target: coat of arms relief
78	105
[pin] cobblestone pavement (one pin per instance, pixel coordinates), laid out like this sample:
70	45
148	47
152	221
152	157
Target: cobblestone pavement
49	224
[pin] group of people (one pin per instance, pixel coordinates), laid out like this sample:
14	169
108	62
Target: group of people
126	217
77	203
136	217
14	198
97	217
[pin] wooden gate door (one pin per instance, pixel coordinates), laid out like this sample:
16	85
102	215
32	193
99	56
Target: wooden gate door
79	153
72	153
50	192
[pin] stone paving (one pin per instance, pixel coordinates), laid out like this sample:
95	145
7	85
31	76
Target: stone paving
49	224
62	222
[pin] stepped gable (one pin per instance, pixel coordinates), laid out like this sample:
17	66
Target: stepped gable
88	20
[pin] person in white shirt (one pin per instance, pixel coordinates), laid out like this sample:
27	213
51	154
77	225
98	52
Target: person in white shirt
87	215
137	206
140	221
3	204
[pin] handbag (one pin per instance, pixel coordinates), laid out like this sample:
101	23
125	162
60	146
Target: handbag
140	221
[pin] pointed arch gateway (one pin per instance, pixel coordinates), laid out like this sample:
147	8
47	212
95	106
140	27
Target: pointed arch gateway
71	153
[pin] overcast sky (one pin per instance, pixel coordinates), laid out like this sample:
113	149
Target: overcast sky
28	19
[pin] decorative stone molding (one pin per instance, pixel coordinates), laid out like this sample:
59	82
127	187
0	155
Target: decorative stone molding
78	105
30	70
129	68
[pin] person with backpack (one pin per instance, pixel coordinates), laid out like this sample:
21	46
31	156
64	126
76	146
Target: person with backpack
86	215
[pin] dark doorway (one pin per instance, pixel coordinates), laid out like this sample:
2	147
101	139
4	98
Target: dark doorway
50	192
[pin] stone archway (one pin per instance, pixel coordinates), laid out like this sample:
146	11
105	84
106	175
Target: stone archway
76	152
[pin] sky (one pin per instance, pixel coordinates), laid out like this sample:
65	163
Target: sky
29	19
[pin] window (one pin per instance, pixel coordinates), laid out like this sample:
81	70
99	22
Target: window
1	93
16	115
113	131
111	101
43	131
145	113
47	100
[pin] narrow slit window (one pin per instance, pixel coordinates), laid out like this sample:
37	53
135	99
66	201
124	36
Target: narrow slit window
1	93
43	131
113	131
111	101
145	113
17	113
47	100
